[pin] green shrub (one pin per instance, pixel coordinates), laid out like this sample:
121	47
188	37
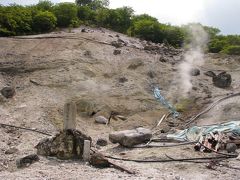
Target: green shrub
16	19
232	50
65	13
4	32
44	21
75	23
85	13
147	29
44	5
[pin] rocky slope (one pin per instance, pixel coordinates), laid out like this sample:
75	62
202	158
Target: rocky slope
104	72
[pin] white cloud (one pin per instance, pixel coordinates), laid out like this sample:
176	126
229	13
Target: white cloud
174	11
222	14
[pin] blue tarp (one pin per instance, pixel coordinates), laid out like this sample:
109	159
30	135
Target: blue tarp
163	101
194	133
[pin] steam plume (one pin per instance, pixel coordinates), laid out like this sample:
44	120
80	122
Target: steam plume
193	56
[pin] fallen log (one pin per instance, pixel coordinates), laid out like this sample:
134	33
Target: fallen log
100	161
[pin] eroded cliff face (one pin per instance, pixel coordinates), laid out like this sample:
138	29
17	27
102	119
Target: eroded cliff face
103	72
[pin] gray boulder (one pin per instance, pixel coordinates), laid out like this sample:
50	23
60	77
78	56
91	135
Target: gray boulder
231	147
27	160
101	120
195	72
222	80
11	150
129	138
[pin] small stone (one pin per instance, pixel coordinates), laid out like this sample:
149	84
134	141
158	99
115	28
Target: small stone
195	72
162	59
2	99
194	88
117	44
151	74
123	79
101	120
87	53
210	74
83	30
135	64
116	51
102	142
27	160
98	160
231	147
8	92
11	150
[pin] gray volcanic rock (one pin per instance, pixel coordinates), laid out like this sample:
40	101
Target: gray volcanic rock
129	138
222	80
27	160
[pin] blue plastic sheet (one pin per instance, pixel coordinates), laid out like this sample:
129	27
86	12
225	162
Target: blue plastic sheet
163	101
194	133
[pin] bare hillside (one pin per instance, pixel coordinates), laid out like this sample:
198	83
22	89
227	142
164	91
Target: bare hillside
104	72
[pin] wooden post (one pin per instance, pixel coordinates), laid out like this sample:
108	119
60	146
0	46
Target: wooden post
69	113
86	150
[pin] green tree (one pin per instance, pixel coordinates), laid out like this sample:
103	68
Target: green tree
117	19
140	19
212	31
85	13
83	2
16	19
44	21
65	13
143	17
97	4
44	5
93	4
173	35
148	30
231	50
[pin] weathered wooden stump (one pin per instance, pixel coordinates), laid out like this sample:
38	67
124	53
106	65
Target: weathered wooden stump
69	112
69	143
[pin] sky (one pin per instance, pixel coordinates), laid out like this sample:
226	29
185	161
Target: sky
222	14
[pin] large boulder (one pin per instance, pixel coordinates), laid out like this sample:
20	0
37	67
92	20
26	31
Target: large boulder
129	138
222	80
67	144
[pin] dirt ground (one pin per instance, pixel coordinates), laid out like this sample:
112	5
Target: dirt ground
49	69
